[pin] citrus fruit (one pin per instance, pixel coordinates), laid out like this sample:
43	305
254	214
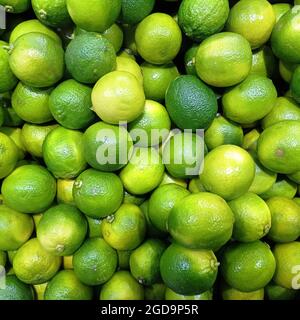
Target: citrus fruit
95	262
115	36
32	104
15	6
286	70
33	264
8	155
190	103
64	192
123	259
158	38
63	153
66	286
263	62
152	127
155	292
103	14
39	290
167	179
188	271
252	217
117	97
107	147
276	292
223	131
16	136
295	177
199	19
253	19
16	228
294	86
94	227
11	118
279	147
3	258
171	295
97	59
125	230
29	189
144	261
161	202
224	59
129	40
190	60
229	293
196	186
122	286
248	266
134	11
285	219
201	221
280	9
15	289
228	171
129	65
62	230
282	187
68	262
98	194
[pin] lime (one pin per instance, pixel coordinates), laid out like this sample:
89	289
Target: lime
133	11
36	219
224	59
190	103
287	264
294	86
115	36
32	104
134	199
29	189
171	295
52	13
286	70
280	9
201	221
196	186
144	261
16	136
295	177
253	19
97	59
33	52
98	194
223	131
117	97
9	155
63	153
155	292
285	219
33	137
167	179
199	19
68	262
229	293
7	79
188	271
129	65
248	267
15	6
144	172
190	60
15	289
276	292
107	147
3	258
282	187
16	228
33	264
94	227
66	286
64	192
103	14
122	286
158	38
252	217
95	262
62	230
125	230
279	147
263	62
123	259
11	119
129	40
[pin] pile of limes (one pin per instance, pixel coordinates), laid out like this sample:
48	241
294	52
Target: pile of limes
150	150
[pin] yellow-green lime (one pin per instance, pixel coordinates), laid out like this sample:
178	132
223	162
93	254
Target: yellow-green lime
115	36
15	6
129	65
171	295
167	179
282	187
229	293
64	193
68	262
196	186
295	177
94	227
15	289
263	62
16	135
280	9
134	199
9	155
276	292
286	70
39	290
133	11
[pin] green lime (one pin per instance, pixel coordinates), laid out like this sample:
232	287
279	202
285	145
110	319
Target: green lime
294	85
117	97
229	293
276	292
63	153
15	289
285	219
190	103
129	65
7	79
95	262
107	147
115	36
123	259
122	286
125	230
248	267
155	292
282	187
196	186
29	189
286	70
263	62
134	199
295	177
144	261
9	155
16	135
144	172
199	19
64	192
134	11
33	53
98	194
190	60
94	227
39	290
157	79
253	19
96	16
171	295
66	286
97	59
201	221
52	13
279	147
287	256
62	230
15	6
33	137
252	217
158	38
224	59
188	271
280	9
33	264
167	179
16	228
